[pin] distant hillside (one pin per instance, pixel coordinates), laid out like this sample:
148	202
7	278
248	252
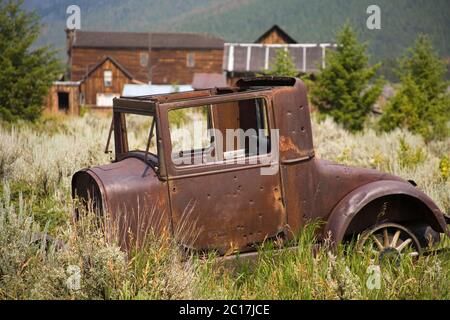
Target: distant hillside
245	20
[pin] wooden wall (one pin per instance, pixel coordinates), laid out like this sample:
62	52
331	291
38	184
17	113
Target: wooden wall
84	59
274	37
168	66
74	98
95	82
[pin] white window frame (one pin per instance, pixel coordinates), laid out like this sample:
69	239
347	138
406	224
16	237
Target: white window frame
108	78
190	60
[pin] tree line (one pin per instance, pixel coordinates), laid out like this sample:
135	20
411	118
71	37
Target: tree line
348	88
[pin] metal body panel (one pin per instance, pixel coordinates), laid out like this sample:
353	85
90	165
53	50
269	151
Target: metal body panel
314	187
134	198
227	211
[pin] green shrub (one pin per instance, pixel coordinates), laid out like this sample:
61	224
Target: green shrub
26	72
409	157
444	167
282	66
422	104
343	89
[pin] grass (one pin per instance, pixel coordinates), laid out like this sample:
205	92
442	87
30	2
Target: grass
36	165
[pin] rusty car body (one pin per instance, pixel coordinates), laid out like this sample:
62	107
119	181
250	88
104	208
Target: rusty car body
232	207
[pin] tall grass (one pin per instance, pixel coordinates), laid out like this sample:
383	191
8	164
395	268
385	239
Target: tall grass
36	165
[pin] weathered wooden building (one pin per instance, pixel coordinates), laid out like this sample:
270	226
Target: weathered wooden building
249	59
104	82
64	96
158	58
101	63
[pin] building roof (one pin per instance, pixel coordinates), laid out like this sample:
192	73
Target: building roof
276	28
255	58
101	62
134	40
209	80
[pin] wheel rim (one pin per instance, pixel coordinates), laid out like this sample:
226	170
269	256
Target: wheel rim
389	242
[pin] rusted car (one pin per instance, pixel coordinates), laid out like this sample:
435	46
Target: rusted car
231	199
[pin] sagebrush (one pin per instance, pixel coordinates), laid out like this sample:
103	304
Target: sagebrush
36	165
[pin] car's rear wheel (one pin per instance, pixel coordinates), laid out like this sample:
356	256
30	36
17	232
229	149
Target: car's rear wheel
389	241
425	234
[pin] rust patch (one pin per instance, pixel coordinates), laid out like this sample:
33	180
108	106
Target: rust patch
286	145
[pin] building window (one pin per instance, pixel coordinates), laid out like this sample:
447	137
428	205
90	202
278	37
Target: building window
143	59
108	78
190	60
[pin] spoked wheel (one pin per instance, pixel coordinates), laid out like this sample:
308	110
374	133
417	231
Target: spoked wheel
389	241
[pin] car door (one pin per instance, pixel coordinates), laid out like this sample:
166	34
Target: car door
227	203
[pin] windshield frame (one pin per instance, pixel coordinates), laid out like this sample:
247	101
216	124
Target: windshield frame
119	128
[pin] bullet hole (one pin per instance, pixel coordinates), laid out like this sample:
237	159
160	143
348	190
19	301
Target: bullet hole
303	129
261	188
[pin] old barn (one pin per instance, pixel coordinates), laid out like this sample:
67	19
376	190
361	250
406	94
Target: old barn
101	63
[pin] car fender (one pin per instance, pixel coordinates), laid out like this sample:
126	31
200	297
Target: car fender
348	208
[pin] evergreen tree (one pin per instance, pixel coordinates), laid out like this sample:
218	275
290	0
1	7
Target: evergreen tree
422	103
25	73
343	90
283	65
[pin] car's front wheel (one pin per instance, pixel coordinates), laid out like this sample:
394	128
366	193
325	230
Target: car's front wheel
389	241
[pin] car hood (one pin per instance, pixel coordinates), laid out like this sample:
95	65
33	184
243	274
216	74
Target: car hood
129	194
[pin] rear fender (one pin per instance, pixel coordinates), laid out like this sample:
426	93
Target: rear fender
360	209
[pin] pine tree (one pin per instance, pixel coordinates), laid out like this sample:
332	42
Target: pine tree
422	103
343	90
283	65
25	73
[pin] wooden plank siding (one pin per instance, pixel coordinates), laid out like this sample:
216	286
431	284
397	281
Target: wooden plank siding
84	59
168	66
274	37
74	98
94	83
